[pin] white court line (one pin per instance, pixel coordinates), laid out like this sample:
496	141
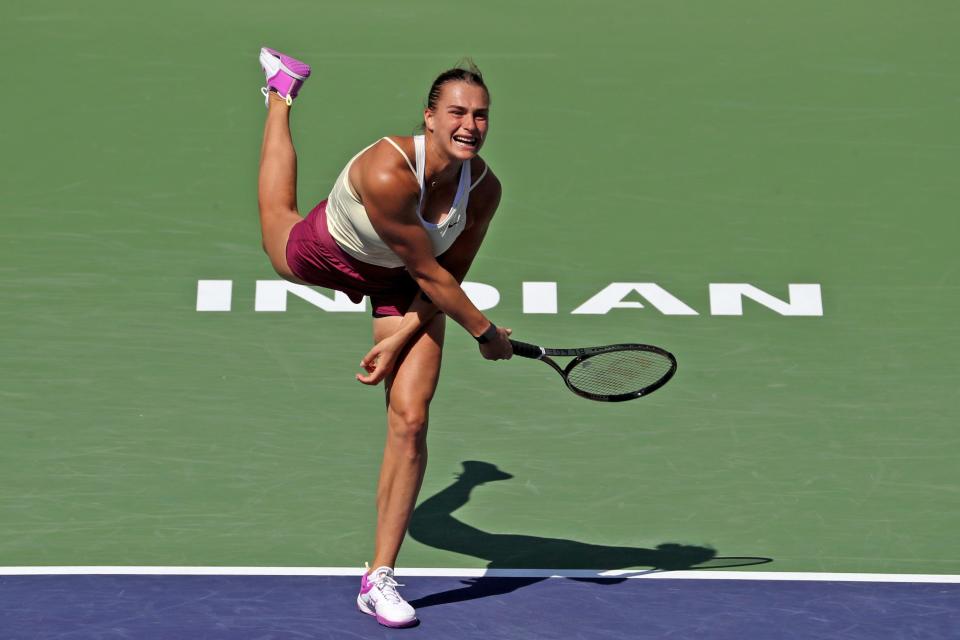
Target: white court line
488	573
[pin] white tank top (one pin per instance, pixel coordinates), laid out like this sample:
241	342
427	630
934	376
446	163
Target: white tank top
349	224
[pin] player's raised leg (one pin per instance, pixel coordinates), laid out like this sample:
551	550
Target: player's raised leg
277	184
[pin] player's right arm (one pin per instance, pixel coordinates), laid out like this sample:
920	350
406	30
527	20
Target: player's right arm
390	198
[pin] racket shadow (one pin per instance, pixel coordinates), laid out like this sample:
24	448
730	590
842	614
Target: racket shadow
433	524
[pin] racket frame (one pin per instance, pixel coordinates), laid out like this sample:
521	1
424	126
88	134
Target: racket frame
536	352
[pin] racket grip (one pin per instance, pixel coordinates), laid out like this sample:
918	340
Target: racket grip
526	350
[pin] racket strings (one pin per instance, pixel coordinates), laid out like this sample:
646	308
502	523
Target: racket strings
619	372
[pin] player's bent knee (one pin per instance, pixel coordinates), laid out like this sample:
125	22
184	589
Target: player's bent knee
409	426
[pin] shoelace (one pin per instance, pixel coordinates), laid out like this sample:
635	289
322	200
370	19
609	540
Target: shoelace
266	101
388	587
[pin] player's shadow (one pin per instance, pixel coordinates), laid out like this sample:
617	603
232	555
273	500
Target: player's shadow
433	524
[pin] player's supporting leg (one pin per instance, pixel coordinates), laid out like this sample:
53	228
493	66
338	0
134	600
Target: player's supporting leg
409	391
277	185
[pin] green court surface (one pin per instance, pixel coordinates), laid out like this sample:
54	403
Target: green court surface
677	143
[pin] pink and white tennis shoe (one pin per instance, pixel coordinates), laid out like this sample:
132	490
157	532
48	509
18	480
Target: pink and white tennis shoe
285	75
378	597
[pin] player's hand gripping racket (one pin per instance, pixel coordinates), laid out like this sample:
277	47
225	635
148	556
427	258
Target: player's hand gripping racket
613	373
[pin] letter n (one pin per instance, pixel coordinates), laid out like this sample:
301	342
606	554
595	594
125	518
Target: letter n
727	299
272	296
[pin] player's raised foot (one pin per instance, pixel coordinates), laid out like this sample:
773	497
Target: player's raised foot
285	75
378	597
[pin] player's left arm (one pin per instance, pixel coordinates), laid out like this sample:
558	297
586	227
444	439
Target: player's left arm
484	200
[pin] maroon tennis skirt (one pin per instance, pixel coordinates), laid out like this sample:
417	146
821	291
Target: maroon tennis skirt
316	258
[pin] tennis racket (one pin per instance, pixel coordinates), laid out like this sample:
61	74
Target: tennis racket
613	373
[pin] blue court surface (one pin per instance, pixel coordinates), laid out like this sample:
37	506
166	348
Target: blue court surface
262	607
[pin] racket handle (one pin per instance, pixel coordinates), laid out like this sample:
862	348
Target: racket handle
526	350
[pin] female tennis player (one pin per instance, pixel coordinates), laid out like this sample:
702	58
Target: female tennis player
402	224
